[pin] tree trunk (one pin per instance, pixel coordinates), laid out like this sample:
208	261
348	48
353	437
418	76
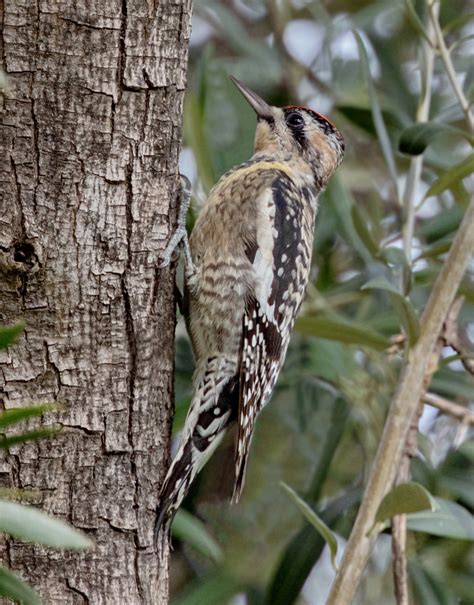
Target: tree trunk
90	139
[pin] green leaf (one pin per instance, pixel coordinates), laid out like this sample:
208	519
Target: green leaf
315	521
14	588
341	330
339	414
426	589
33	435
415	139
449	520
452	384
441	225
16	415
33	525
21	495
461	484
181	411
338	199
362	117
403	499
190	529
9	334
363	231
302	552
452	176
458	22
435	250
379	123
415	20
393	256
214	590
402	306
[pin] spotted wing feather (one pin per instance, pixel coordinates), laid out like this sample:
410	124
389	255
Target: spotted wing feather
281	260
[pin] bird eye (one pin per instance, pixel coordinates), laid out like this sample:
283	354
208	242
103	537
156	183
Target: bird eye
295	120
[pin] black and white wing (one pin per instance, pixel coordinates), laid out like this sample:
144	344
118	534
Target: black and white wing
281	257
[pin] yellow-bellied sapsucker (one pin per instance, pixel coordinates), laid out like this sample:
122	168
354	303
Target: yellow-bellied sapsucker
246	270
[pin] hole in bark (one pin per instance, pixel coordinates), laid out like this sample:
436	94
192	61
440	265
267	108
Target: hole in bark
24	253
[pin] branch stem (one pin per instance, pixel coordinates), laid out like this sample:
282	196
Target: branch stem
402	410
433	9
422	115
450	408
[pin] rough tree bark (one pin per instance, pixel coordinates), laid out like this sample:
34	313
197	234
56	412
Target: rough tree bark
90	138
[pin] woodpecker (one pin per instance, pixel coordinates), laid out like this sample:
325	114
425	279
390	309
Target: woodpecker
247	264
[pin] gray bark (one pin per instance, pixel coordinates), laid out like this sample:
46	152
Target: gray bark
89	142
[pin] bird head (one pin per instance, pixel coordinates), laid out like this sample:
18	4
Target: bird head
296	130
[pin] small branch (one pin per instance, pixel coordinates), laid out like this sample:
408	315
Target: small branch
399	546
452	339
433	8
399	523
402	410
450	408
416	163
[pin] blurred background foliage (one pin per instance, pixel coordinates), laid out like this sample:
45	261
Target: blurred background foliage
365	64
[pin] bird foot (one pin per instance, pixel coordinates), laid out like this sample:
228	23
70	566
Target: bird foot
180	236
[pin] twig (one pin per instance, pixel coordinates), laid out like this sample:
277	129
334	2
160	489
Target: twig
452	339
416	163
399	546
433	7
401	413
450	408
399	523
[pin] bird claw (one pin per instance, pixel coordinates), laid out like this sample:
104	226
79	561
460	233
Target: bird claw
180	236
172	251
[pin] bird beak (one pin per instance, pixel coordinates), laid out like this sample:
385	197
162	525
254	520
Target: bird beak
262	109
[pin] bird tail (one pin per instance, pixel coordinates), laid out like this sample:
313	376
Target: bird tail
178	479
211	412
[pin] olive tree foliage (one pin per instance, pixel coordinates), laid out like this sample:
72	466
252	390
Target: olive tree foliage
378	330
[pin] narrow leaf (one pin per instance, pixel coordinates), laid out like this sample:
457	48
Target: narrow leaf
16	415
458	22
376	112
21	495
393	256
302	552
402	306
14	588
403	499
415	20
8	334
449	520
190	529
452	176
339	414
34	435
33	525
415	139
315	521
214	590
338	329
443	224
363	231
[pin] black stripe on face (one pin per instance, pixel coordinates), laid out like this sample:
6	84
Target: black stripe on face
296	124
269	120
